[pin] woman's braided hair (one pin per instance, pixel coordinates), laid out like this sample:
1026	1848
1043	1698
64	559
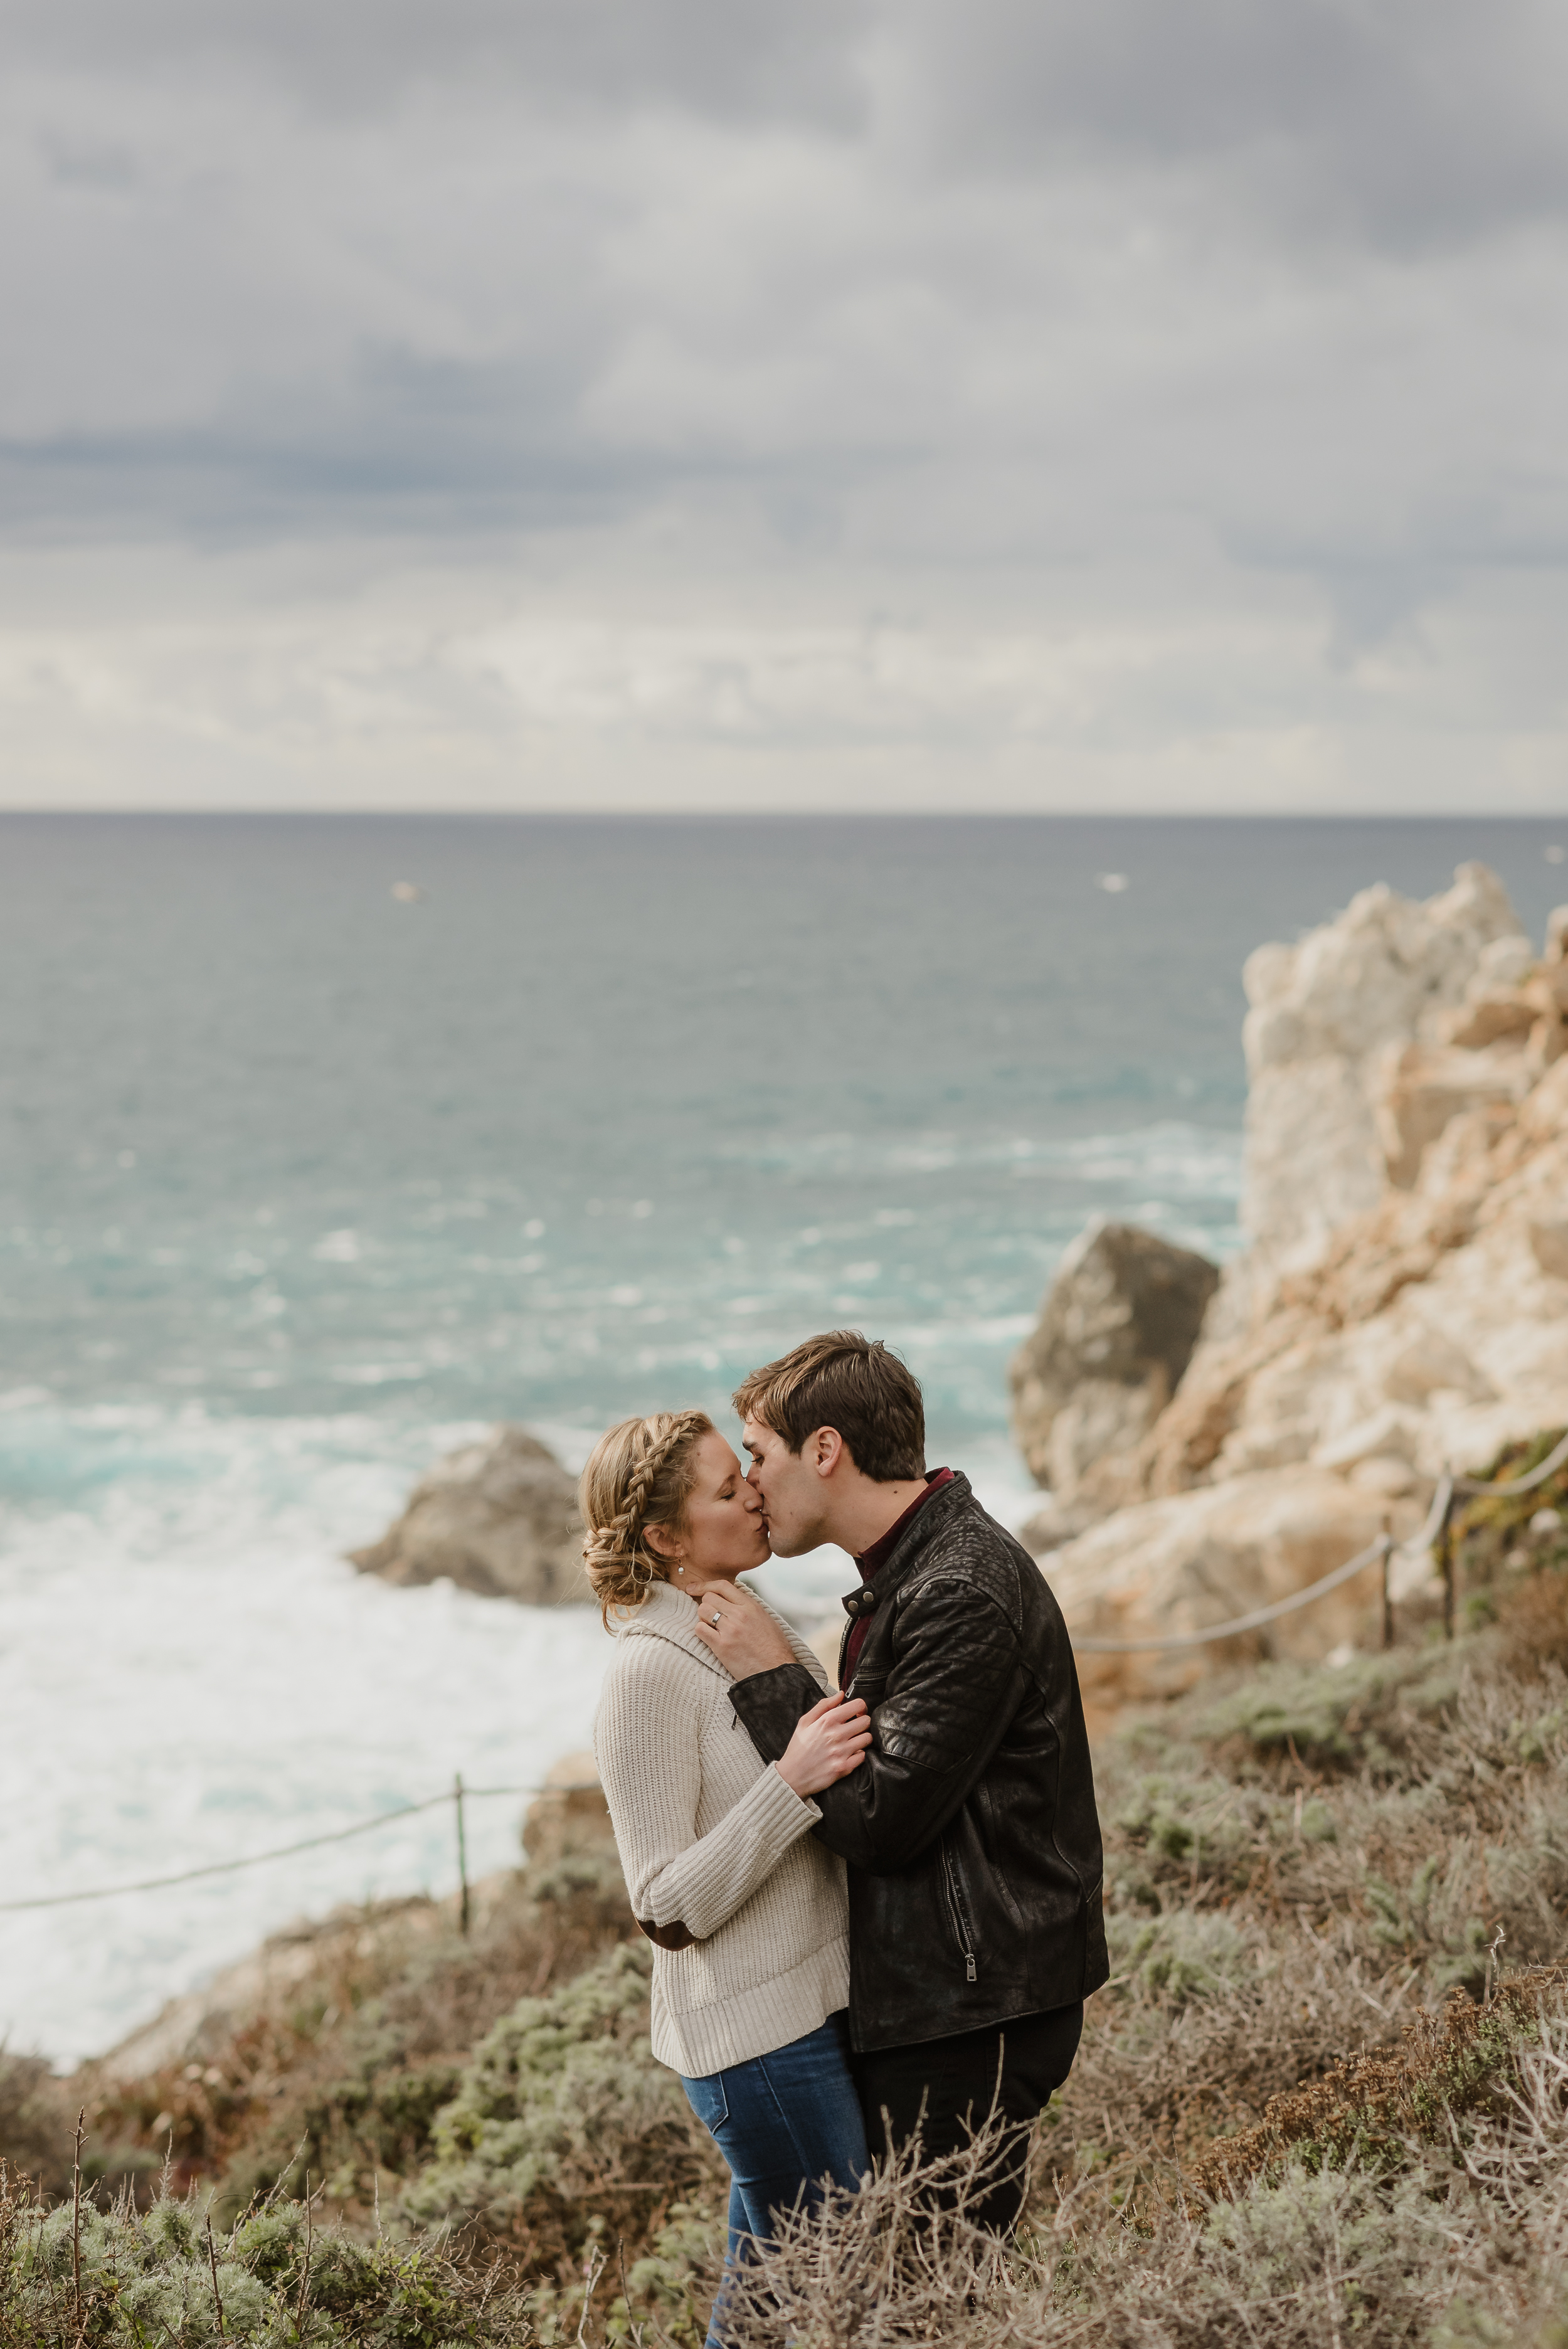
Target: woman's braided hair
638	1475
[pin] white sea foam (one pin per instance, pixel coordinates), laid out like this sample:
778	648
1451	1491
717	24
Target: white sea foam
1193	1161
193	1673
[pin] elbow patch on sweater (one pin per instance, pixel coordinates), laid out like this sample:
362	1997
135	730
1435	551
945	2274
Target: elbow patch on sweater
667	1937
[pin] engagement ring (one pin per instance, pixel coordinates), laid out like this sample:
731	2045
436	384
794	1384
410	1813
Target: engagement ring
715	1617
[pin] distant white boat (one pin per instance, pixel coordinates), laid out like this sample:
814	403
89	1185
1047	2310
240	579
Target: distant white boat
407	892
1113	884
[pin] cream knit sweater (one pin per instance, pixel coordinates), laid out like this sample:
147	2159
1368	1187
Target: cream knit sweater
711	1837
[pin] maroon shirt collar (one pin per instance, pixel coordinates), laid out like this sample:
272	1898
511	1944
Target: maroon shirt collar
880	1550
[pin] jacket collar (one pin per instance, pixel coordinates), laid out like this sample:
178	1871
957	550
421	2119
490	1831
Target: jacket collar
666	1614
929	1523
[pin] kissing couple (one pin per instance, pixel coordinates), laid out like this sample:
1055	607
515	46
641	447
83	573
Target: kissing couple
875	1908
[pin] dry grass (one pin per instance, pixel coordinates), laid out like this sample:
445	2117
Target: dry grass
1294	1872
1444	2239
1535	1618
1371	2108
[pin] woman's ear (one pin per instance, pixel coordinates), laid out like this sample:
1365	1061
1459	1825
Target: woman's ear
660	1543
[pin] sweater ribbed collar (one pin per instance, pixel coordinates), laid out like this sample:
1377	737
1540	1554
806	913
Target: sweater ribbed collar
667	1614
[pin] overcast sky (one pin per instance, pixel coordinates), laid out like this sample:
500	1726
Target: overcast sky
1010	403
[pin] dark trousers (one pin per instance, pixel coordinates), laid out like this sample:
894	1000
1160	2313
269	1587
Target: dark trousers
1019	2064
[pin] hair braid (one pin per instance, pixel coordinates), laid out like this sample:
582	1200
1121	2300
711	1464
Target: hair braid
639	1475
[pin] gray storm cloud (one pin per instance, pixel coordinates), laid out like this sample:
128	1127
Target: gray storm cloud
1008	402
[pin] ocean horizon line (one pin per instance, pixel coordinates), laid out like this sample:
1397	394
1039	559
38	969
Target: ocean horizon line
701	813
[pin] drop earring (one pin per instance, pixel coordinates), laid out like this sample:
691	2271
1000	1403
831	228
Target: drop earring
680	1570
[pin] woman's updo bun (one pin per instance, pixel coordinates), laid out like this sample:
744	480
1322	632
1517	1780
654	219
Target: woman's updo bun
638	1475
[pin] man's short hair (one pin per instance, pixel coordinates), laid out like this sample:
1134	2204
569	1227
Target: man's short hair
843	1381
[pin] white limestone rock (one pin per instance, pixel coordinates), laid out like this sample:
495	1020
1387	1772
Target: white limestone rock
1435	1331
1323	1016
1203	1557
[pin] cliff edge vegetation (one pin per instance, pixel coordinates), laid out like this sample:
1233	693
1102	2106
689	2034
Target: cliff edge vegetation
1323	2099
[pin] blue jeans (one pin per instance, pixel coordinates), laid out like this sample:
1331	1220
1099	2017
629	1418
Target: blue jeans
784	2123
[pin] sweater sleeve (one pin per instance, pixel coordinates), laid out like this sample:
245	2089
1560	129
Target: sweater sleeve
646	1743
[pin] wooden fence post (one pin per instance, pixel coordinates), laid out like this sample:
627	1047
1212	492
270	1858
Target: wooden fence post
463	1856
1388	1594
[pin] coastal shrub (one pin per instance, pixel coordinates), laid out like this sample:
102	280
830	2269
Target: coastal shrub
1370	2109
1307	2260
1358	1896
561	2117
1182	1955
1495	1534
901	2261
75	2275
349	2130
34	2125
1362	1715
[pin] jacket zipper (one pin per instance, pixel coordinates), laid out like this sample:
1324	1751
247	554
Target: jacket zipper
960	1922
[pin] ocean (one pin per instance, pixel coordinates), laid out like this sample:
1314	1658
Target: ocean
328	1141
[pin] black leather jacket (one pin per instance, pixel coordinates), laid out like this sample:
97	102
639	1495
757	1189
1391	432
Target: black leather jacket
970	1829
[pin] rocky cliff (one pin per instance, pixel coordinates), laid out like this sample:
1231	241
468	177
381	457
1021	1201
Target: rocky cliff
1404	1300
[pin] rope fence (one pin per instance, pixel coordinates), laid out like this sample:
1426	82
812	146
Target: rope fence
457	1796
1381	1548
1553	1462
1437	1534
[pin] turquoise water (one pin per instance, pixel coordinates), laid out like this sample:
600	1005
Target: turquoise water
299	1180
614	1107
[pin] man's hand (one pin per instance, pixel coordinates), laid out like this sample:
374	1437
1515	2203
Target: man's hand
828	1743
740	1631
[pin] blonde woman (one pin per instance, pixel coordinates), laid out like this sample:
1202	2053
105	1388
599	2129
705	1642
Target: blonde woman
745	1908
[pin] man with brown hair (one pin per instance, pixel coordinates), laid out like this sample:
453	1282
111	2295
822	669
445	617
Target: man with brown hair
970	1829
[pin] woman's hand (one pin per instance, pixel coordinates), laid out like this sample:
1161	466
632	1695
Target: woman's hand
828	1744
740	1630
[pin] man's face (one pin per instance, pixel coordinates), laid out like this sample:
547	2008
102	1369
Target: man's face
794	1494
